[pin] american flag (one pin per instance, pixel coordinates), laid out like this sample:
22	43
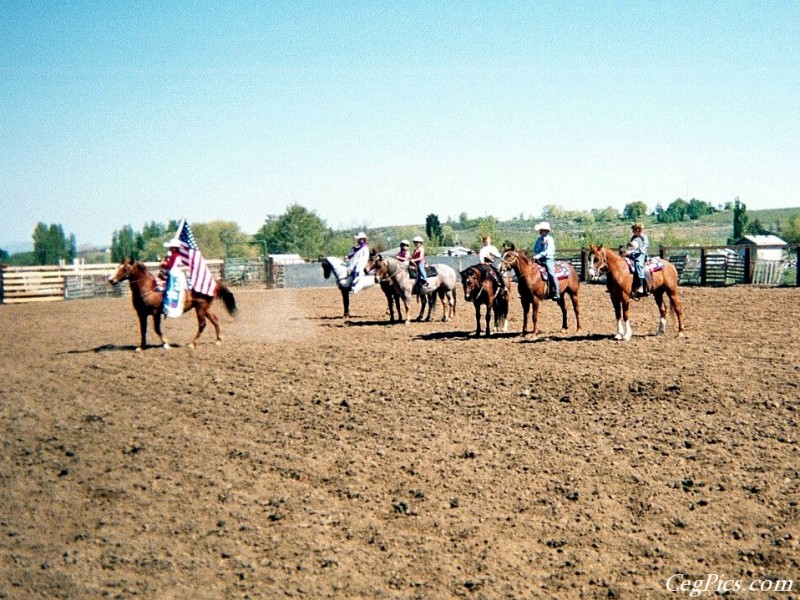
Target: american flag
201	279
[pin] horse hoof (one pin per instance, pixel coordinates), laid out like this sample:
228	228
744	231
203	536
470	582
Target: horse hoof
618	336
681	334
166	346
139	349
218	342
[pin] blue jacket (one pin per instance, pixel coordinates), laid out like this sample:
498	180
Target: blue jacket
544	247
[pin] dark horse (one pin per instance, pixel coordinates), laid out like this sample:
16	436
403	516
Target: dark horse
482	288
532	287
147	300
619	280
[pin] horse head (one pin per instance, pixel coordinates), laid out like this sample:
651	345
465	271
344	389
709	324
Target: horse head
472	281
508	261
327	269
122	273
598	261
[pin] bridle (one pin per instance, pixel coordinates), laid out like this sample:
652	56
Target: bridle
472	277
127	275
603	268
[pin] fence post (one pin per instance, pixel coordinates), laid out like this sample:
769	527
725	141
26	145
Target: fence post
748	271
702	266
796	266
3	295
661	251
584	264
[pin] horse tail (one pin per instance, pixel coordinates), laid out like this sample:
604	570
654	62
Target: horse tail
500	308
227	298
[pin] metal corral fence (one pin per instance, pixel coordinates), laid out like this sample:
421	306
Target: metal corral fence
696	265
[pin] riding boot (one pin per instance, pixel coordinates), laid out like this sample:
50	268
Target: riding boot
554	292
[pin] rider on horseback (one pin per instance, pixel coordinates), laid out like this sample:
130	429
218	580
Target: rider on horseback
544	252
358	257
402	255
418	259
637	251
487	255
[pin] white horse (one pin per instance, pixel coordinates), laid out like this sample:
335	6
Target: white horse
343	272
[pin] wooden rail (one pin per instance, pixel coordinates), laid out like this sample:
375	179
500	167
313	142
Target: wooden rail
55	283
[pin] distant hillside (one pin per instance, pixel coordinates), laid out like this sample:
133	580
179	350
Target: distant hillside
707	230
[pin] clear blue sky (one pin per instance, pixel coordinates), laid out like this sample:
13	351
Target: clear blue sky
379	113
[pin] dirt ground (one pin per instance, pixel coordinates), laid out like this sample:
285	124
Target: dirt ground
310	458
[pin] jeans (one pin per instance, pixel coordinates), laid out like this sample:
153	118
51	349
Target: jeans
550	264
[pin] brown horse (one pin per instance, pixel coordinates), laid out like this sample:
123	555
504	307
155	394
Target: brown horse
482	288
619	280
147	301
532	288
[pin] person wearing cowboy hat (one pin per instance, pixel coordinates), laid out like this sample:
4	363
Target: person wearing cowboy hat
402	255
637	251
418	260
358	257
544	252
172	281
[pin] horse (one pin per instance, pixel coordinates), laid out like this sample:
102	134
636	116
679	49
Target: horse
390	270
343	272
148	299
619	280
482	287
532	287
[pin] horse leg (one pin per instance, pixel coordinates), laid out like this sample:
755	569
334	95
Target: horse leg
535	314
201	325
345	302
431	304
142	331
488	318
626	305
478	319
573	296
562	304
618	313
526	308
215	322
677	307
658	295
157	327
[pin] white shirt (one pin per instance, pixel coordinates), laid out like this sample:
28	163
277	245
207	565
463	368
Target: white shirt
488	253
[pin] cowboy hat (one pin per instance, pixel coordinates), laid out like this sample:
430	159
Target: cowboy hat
543	225
173	243
404	242
418	239
361	236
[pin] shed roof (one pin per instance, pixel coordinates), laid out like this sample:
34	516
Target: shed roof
762	240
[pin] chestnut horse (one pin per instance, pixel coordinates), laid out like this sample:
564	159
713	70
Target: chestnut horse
532	288
147	301
619	280
481	287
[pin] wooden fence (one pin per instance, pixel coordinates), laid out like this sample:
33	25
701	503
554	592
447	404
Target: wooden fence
65	282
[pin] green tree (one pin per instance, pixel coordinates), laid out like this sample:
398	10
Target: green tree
634	211
433	229
697	208
50	245
740	219
126	243
605	215
791	232
297	231
675	212
3	256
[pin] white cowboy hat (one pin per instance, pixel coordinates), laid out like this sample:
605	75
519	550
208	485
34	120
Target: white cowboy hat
173	243
543	225
361	236
404	242
418	239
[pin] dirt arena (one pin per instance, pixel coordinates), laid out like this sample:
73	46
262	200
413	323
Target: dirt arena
309	458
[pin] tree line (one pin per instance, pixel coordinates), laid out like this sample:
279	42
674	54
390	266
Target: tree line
301	231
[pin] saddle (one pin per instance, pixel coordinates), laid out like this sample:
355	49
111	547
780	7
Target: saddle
562	272
651	265
429	271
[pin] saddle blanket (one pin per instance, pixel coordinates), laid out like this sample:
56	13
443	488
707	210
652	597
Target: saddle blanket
652	265
562	271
